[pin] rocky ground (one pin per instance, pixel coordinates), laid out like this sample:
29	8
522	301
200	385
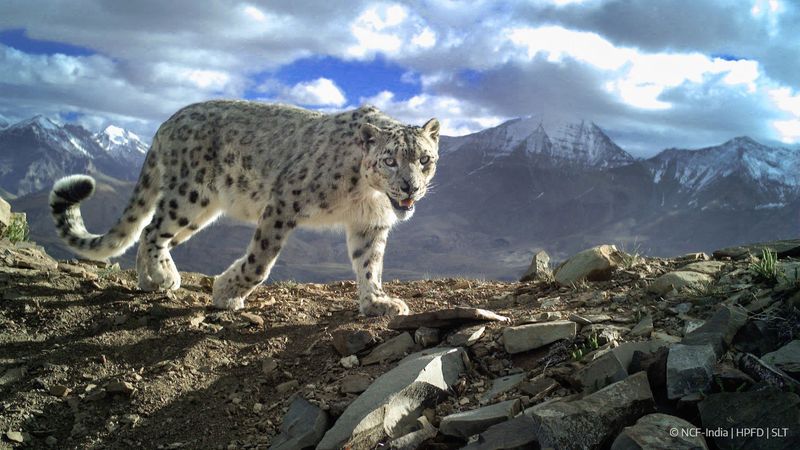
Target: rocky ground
612	351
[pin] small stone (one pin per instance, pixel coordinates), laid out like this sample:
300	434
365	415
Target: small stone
426	337
268	365
51	441
348	362
643	328
539	387
253	319
355	384
349	342
15	436
394	348
287	386
120	387
528	337
195	321
59	390
580	320
501	385
466	337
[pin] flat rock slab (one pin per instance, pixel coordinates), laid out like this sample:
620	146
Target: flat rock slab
393	402
515	433
784	249
707	267
680	280
624	352
302	427
595	420
594	264
392	349
468	423
601	372
786	358
719	330
528	337
466	336
501	385
657	432
690	369
770	410
444	318
643	328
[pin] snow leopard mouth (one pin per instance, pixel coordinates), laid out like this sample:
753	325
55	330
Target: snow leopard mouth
403	205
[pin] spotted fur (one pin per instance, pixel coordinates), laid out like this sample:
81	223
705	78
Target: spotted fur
276	166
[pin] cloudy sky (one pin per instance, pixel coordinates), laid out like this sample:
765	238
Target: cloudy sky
654	74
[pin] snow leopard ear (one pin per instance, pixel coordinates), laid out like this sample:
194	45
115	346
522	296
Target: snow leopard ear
370	134
431	128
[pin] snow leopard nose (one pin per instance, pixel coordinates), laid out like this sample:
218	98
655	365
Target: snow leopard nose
408	188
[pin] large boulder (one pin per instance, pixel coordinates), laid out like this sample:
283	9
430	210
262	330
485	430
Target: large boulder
764	420
594	264
593	421
786	358
660	431
516	433
391	406
681	280
689	369
539	269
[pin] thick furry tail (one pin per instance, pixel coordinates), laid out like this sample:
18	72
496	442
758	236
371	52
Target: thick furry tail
65	199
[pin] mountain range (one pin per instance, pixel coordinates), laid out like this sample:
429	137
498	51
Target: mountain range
500	195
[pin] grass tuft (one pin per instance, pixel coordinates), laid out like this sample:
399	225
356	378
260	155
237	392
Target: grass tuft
17	230
766	269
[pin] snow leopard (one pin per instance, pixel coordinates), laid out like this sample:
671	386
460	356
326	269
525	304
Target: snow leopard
276	166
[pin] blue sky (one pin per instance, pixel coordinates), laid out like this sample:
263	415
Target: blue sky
674	73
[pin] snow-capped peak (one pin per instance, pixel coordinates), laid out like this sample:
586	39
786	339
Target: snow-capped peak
559	142
39	121
121	141
696	169
120	136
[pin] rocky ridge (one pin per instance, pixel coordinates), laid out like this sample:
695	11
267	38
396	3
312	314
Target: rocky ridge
611	350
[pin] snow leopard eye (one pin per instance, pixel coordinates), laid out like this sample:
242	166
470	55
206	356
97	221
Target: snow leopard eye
424	160
391	162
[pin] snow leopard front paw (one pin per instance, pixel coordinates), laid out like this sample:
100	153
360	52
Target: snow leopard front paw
226	294
161	276
374	305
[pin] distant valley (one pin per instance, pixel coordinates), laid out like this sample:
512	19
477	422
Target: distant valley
501	194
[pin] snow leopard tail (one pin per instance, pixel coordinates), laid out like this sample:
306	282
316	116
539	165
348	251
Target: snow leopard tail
70	191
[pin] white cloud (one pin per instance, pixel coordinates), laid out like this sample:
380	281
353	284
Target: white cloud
457	117
320	92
